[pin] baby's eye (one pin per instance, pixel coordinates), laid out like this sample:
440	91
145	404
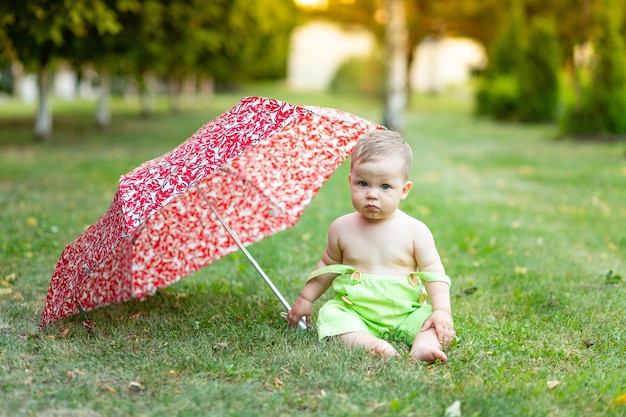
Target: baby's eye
363	183
385	186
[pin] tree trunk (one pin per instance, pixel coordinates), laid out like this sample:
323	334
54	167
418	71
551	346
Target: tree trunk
148	94
396	44
103	113
17	72
43	121
175	93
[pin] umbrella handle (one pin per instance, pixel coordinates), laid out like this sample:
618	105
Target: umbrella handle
302	322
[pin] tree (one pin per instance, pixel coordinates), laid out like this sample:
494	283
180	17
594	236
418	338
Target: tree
498	93
38	32
539	73
601	108
396	38
253	41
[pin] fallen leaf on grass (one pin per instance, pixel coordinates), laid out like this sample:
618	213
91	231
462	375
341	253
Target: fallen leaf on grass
109	389
588	343
453	410
467	291
8	280
612	278
6	291
553	384
135	386
621	400
278	383
220	346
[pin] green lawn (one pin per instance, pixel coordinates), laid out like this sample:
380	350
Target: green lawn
528	226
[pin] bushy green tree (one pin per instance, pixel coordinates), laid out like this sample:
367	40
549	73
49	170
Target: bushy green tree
539	73
39	33
498	93
600	110
522	80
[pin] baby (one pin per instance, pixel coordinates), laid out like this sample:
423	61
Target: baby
382	264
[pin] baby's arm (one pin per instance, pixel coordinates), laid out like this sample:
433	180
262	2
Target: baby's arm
315	287
311	292
428	260
441	319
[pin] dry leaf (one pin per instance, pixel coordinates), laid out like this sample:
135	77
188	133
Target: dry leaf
134	386
553	384
467	291
521	270
64	333
454	410
110	389
278	383
621	400
174	373
8	280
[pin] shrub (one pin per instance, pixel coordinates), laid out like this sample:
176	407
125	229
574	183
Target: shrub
601	106
359	75
498	97
522	80
538	76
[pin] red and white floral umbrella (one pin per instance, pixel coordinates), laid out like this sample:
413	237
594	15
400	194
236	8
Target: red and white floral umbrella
257	166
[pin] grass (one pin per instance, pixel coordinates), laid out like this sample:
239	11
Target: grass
528	226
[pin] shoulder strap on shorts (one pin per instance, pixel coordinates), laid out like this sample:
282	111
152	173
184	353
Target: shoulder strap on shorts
338	269
433	276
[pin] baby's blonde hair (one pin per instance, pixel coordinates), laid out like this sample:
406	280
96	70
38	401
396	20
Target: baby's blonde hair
378	144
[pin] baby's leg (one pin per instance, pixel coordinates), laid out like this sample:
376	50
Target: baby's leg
426	347
370	343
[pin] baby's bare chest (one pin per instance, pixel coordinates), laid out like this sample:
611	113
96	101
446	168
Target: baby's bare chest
372	252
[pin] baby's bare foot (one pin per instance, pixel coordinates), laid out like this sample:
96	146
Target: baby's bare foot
385	350
427	353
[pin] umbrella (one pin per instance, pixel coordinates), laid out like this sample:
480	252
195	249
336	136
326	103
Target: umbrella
246	175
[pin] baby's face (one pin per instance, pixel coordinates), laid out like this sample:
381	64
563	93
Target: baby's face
377	187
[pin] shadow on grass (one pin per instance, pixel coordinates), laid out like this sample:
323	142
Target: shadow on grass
217	307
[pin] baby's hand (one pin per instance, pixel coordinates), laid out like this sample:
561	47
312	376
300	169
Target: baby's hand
301	308
441	321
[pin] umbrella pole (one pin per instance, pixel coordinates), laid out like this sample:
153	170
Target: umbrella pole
302	322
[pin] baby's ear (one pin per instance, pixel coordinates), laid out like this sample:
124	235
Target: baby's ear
406	188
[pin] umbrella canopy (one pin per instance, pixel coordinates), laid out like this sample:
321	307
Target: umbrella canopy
258	165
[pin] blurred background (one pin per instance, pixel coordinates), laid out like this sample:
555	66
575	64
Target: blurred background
528	61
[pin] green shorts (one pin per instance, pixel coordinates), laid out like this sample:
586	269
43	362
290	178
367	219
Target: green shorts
393	307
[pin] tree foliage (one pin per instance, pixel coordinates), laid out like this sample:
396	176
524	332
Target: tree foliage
539	73
229	40
600	110
39	31
498	93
